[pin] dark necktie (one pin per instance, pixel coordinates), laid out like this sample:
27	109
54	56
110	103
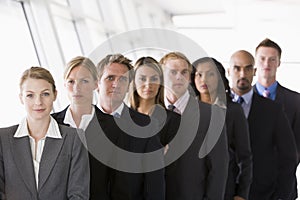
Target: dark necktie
240	100
171	107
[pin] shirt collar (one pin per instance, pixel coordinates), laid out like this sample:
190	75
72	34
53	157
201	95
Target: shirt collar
247	97
85	119
272	88
181	103
52	132
118	111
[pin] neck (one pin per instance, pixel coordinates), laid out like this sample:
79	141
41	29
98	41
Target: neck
266	82
206	98
78	111
146	106
172	97
38	128
110	107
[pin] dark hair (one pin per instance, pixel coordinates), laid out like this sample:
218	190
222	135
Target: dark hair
114	58
152	63
222	86
269	43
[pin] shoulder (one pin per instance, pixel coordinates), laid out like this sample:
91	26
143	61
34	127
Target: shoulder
287	91
60	116
7	131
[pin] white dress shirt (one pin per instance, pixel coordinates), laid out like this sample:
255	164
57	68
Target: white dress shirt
118	111
246	105
84	122
37	148
180	104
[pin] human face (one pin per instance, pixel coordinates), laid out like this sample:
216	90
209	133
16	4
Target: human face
177	76
241	72
113	84
147	82
80	86
206	79
37	96
267	62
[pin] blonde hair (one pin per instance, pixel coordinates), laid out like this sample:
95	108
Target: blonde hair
38	73
173	56
83	62
134	98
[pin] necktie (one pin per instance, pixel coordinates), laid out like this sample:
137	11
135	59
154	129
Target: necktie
266	93
171	107
240	100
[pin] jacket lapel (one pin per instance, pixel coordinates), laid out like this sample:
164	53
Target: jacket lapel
51	151
23	159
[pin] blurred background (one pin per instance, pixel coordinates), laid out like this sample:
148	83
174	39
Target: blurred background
49	33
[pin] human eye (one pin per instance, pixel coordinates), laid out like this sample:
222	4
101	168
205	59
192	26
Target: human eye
45	94
173	72
123	79
85	81
142	78
110	78
154	79
184	72
70	81
29	95
211	74
236	68
199	74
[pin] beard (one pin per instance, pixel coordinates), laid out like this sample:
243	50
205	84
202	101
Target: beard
245	85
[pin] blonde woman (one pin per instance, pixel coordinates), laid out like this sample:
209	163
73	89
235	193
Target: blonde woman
80	80
39	158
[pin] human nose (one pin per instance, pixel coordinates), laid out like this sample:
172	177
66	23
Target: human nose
38	100
76	86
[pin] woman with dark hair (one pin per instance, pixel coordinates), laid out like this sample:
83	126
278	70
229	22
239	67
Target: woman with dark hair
209	81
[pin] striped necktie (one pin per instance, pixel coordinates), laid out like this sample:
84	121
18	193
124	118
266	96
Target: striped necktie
240	100
266	93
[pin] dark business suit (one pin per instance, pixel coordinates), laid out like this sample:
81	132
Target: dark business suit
290	100
63	172
240	163
192	177
274	151
123	185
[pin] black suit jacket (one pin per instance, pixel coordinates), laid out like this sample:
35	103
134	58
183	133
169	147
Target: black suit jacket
168	123
290	100
273	149
114	184
240	164
191	177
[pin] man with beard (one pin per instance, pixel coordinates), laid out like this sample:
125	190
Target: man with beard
271	136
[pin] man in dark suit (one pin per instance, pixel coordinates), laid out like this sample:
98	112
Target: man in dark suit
267	56
201	171
134	175
271	136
